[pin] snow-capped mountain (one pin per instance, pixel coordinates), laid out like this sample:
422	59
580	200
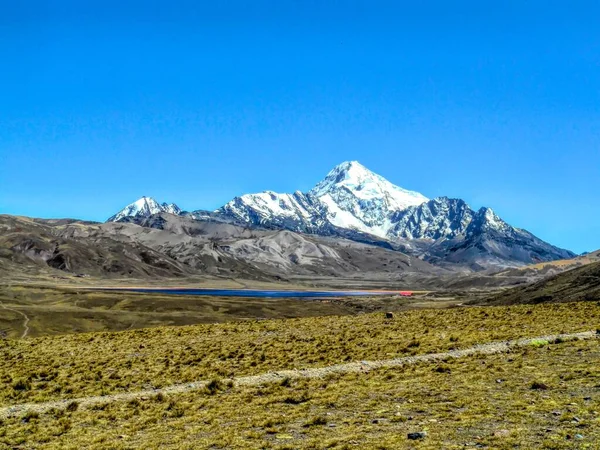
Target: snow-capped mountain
354	203
350	197
145	207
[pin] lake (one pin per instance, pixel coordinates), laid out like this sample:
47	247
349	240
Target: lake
258	293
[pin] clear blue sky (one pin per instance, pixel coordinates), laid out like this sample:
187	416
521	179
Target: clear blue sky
196	102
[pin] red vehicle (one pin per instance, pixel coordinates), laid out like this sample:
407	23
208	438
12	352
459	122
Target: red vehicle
406	293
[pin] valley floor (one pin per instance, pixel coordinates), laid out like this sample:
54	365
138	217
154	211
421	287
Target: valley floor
47	309
540	395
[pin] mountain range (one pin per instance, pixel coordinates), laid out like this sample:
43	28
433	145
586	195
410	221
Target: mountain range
355	204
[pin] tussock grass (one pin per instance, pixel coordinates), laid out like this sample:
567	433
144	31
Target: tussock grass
485	402
71	366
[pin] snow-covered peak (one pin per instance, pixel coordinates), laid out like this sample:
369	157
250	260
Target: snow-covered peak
352	176
356	198
350	197
145	207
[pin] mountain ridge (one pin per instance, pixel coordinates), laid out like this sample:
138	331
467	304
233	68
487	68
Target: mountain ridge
352	201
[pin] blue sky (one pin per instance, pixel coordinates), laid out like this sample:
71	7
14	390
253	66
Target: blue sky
196	102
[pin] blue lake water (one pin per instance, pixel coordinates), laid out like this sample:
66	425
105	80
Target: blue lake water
257	293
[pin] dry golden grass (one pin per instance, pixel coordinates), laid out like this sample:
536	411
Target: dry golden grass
543	396
70	366
53	310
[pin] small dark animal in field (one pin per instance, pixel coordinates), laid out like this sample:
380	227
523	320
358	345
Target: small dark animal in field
389	315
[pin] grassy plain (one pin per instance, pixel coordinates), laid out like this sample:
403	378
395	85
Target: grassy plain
51	309
459	404
74	365
542	396
56	310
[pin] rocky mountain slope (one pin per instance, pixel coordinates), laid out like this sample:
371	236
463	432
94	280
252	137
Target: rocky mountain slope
449	232
35	246
166	245
354	203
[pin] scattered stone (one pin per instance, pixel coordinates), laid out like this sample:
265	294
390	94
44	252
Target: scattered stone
501	433
578	436
557	413
587	399
331	425
539	386
549	430
499	380
418	435
576	419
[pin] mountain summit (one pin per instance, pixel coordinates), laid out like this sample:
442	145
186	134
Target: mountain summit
145	207
350	197
355	197
353	177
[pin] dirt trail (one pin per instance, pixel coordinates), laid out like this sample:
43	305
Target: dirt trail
269	377
25	319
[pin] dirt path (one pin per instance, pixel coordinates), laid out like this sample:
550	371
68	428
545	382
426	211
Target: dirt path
269	377
25	319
